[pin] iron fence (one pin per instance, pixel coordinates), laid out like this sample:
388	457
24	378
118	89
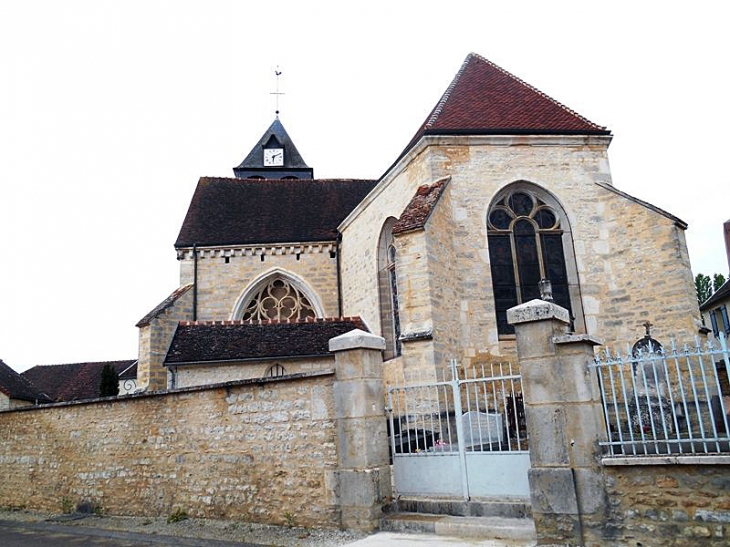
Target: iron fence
479	408
666	402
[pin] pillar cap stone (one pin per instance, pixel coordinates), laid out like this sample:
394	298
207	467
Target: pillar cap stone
357	339
537	310
577	339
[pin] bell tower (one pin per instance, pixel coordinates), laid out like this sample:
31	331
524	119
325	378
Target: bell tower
274	157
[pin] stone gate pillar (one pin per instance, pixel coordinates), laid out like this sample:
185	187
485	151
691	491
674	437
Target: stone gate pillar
564	424
363	475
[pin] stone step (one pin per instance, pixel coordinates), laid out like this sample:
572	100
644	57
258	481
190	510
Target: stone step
516	531
507	507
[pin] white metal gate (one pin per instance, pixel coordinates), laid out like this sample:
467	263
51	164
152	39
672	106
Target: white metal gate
461	436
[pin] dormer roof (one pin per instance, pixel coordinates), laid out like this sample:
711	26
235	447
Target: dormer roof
274	137
484	99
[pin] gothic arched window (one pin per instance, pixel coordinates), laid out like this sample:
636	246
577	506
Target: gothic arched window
527	237
388	291
278	299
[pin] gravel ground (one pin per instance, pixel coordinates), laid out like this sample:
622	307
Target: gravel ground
224	530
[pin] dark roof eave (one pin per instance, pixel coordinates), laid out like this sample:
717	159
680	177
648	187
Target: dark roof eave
218	244
720	294
515	131
247	359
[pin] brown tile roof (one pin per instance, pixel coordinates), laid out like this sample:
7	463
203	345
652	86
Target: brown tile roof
227	211
16	386
162	306
484	99
211	341
72	381
417	212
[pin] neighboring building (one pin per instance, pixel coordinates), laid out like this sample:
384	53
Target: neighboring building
80	381
499	188
715	309
16	391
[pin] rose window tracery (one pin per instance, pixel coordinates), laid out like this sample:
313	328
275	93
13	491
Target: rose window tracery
278	300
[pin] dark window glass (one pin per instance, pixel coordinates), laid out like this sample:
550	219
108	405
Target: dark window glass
713	320
726	323
521	204
521	257
500	219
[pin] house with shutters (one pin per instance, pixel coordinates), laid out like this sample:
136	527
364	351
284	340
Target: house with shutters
500	188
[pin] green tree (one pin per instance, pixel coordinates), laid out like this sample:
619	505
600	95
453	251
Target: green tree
706	286
109	382
703	286
718	280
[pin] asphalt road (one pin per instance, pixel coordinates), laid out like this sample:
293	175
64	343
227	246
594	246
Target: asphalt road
42	534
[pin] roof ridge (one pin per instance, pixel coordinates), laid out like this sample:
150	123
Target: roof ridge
82	363
447	94
231	322
533	88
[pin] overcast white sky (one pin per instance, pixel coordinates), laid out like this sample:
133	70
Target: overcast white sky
110	111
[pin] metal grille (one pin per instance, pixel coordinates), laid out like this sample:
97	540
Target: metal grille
482	407
667	402
461	434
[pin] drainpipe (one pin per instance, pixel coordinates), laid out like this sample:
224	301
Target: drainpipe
339	275
195	281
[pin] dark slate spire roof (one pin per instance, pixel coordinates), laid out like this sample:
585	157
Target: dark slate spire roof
252	212
484	99
274	137
15	386
216	341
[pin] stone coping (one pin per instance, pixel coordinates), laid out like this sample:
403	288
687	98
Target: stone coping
694	459
234	383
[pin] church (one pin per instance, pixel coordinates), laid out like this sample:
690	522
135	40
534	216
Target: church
501	195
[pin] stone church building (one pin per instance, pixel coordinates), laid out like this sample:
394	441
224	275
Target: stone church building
501	187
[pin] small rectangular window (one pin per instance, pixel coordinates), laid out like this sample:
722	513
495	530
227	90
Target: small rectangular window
713	320
725	322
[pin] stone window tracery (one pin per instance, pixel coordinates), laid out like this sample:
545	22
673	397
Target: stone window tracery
278	299
525	236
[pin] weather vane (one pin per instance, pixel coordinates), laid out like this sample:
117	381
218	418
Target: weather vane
278	73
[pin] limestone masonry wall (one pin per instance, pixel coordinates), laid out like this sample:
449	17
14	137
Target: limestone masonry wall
251	451
221	283
668	505
154	340
199	375
630	260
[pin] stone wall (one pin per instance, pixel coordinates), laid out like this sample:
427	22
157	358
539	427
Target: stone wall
224	275
630	258
198	375
6	403
671	505
154	341
258	451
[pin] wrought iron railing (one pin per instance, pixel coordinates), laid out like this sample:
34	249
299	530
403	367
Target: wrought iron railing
674	401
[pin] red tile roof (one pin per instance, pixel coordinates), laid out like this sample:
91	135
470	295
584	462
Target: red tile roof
215	341
73	381
227	211
485	99
417	212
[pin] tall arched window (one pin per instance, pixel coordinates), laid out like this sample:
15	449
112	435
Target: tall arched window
388	291
528	234
277	299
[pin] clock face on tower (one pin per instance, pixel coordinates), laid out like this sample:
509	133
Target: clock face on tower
273	157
